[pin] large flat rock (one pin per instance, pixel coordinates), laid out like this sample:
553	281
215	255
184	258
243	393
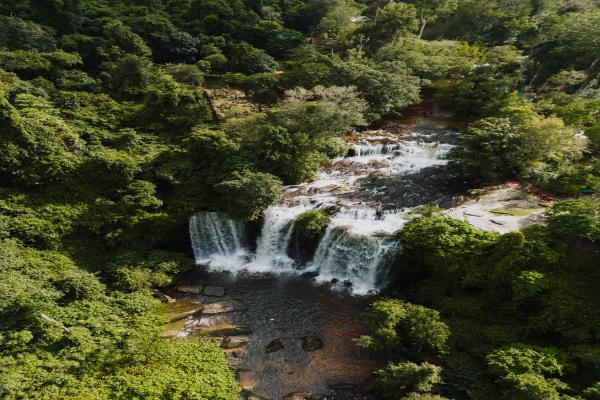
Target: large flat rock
215	291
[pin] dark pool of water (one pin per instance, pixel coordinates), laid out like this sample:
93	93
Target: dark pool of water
289	308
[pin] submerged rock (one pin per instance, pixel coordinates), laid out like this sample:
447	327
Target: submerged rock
215	291
193	289
274	345
224	330
182	310
222	307
304	396
311	343
232	342
249	395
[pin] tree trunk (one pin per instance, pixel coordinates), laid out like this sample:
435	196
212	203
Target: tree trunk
423	23
593	72
54	322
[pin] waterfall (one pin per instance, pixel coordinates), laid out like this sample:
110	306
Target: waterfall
364	192
217	239
359	259
274	239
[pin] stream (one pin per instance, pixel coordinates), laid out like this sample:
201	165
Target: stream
303	308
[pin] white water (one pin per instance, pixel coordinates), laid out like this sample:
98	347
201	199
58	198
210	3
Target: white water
358	246
274	239
217	239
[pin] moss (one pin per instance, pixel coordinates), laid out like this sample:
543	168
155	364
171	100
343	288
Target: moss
311	224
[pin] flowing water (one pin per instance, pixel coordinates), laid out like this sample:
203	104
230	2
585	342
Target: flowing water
285	298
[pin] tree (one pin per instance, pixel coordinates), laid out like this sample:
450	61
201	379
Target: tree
527	373
576	219
390	23
522	145
129	42
262	88
19	34
293	157
398	324
321	112
246	195
400	379
245	58
430	9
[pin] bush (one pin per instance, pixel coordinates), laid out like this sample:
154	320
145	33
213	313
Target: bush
311	224
403	378
248	194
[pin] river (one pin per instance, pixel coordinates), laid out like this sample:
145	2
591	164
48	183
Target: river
288	298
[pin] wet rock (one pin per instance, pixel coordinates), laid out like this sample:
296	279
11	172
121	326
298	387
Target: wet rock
224	330
342	383
232	342
215	291
192	289
304	396
311	343
249	395
165	298
274	345
223	307
182	310
246	379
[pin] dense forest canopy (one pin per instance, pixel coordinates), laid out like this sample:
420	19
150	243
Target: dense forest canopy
119	119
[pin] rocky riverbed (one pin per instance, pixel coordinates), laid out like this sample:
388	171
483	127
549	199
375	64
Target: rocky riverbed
286	336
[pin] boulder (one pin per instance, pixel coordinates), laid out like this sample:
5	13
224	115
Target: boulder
274	345
215	291
232	342
224	330
311	343
192	289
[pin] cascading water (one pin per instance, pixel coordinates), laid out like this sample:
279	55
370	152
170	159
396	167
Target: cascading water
360	260
274	239
359	245
217	239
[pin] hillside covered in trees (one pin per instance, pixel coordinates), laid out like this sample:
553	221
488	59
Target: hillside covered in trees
120	119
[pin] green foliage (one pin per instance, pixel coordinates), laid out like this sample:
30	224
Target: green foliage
250	60
523	145
248	194
321	112
98	346
397	324
407	377
311	223
525	371
576	219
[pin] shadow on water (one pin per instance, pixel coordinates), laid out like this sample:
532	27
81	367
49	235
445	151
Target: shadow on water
290	314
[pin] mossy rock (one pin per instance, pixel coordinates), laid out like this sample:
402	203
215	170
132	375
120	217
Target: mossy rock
311	224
